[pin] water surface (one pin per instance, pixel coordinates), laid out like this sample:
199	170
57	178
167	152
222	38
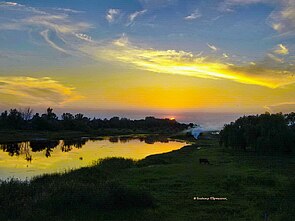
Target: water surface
24	160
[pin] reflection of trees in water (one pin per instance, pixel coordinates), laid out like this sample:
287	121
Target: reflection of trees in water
39	145
156	138
151	139
114	139
25	148
124	139
69	144
15	149
47	145
48	152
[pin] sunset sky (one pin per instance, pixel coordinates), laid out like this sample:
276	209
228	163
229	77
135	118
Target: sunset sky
170	57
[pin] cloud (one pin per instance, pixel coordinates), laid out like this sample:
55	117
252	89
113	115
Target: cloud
267	73
229	5
28	17
214	48
134	15
275	58
278	27
84	37
13	6
45	35
122	41
225	55
112	14
47	24
9	4
281	49
284	107
283	18
68	10
196	14
29	91
60	32
58	23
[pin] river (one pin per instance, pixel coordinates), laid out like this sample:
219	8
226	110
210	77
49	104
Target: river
25	160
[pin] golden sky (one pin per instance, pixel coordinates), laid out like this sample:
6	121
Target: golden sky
160	56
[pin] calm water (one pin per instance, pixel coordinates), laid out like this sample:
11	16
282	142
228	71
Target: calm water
27	159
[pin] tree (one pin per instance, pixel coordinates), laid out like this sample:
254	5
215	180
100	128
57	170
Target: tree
27	113
265	132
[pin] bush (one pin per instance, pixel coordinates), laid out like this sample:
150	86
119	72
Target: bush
113	164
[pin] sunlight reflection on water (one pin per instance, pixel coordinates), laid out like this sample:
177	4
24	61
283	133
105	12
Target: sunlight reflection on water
27	159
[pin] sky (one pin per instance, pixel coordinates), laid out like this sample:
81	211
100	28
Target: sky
170	58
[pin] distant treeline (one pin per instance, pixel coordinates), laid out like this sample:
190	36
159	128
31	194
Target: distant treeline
261	133
25	120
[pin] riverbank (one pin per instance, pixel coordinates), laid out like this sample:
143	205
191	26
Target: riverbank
161	187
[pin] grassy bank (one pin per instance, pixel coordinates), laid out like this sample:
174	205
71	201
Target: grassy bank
161	187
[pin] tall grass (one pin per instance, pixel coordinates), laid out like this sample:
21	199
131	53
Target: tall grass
68	195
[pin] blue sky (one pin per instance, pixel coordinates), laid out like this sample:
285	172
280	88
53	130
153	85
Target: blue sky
233	26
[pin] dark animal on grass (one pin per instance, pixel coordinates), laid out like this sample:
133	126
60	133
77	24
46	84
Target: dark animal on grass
204	161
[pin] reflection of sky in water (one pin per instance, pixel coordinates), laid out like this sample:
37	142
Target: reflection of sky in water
18	167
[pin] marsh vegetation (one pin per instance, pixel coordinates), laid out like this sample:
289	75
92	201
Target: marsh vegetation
258	185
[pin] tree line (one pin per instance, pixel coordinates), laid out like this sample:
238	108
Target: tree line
261	133
25	119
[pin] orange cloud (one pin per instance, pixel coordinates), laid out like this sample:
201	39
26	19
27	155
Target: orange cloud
265	73
29	91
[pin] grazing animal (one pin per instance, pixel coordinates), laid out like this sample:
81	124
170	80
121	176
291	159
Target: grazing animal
204	161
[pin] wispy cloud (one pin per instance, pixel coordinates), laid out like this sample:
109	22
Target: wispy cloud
13	6
196	14
29	91
9	4
283	18
264	73
58	23
112	15
229	5
281	49
224	55
84	37
134	15
72	38
275	58
123	41
284	107
68	10
212	47
45	35
46	24
30	16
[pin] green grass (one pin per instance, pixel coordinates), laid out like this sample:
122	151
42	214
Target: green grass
161	187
